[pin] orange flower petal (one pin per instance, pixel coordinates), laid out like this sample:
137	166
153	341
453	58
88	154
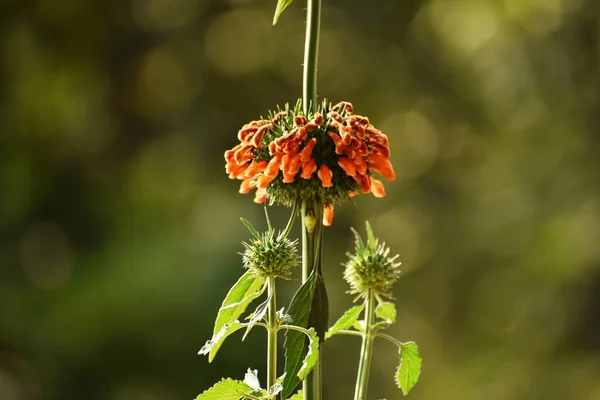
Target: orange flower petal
247	185
325	175
328	215
273	167
377	187
383	167
260	196
364	182
318	119
307	150
347	165
308	168
256	168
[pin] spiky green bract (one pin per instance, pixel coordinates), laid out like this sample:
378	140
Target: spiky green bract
370	266
324	153
269	254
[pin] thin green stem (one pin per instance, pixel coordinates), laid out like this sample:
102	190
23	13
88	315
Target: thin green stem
390	339
311	54
366	350
349	333
290	224
272	329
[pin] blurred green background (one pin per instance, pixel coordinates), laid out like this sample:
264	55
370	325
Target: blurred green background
119	230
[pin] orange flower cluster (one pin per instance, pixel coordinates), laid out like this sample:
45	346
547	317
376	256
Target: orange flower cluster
299	147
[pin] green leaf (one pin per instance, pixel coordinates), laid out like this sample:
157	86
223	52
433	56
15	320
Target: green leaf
386	311
226	389
319	309
252	230
294	347
251	379
297	396
212	346
312	356
258	315
246	289
409	369
281	5
346	321
359	326
380	325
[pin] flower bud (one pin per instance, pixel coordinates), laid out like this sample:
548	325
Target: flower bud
370	266
270	255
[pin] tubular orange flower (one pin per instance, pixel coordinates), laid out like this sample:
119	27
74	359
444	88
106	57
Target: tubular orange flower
280	155
325	175
328	215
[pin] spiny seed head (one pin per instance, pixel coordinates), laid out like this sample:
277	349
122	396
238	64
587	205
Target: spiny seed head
370	266
270	255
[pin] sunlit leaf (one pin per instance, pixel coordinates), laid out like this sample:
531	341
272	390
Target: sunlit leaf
346	321
212	346
409	369
281	5
227	389
297	396
258	315
251	379
386	311
246	289
312	356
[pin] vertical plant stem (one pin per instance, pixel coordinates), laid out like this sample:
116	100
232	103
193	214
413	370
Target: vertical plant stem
312	236
311	241
272	336
311	54
366	350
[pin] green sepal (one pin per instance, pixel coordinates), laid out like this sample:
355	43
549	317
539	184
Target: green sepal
409	368
281	5
386	311
212	346
226	389
241	294
346	321
295	350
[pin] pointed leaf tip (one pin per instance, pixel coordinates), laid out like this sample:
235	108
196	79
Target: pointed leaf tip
281	5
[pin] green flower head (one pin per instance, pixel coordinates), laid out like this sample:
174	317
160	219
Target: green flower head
269	254
370	266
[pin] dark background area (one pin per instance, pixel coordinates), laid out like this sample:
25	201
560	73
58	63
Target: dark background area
119	230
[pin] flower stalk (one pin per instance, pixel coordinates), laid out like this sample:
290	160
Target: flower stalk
272	328
366	350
